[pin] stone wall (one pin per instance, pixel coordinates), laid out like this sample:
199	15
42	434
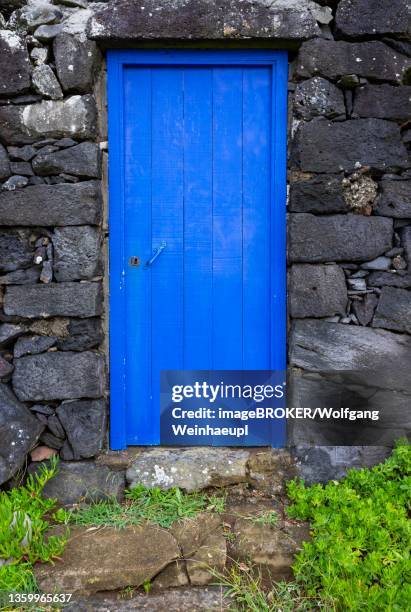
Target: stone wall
349	242
52	391
349	206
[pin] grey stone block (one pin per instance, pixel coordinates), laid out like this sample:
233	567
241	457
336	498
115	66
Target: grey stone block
6	368
383	102
75	3
394	199
48	439
56	428
15	182
22	277
19	431
76	62
390	279
14	64
79	160
33	345
54	299
4	164
406	242
338	237
343	390
364	309
21	168
322	146
46	32
320	346
333	59
324	463
67	204
394	310
317	97
84	422
73	117
76	252
25	153
321	194
380	263
192	469
84	481
45	82
39	55
84	334
9	332
355	18
317	291
55	375
15	249
200	19
32	16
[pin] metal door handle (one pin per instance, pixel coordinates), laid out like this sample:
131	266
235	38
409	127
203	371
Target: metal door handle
156	254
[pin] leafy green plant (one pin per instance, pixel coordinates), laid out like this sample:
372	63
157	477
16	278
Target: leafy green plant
62	515
23	526
359	555
154	505
244	586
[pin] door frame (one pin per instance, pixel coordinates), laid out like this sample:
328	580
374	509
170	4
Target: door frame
116	61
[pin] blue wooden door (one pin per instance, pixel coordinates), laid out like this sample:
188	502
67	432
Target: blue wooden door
197	185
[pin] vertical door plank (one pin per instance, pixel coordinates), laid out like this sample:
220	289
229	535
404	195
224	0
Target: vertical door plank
198	267
137	193
167	225
227	218
256	217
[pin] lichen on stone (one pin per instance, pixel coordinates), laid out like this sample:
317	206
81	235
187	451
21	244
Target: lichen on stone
359	192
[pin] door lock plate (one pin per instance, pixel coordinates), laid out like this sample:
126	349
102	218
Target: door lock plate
134	261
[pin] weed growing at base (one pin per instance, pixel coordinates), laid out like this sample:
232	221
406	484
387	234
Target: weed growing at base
154	505
359	556
265	518
23	525
244	586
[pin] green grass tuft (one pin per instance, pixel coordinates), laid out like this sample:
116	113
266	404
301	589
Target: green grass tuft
154	505
359	556
270	517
